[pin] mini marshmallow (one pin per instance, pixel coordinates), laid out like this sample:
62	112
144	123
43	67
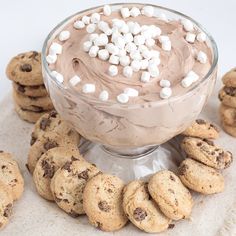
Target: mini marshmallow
128	71
145	77
155	31
148	11
142	48
136	65
87	45
91	28
55	48
146	54
201	37
107	10
113	70
193	75
186	82
89	88
86	20
128	37
150	42
163	38
125	12
187	24
131	92
165	83
51	59
119	42
139	40
103	54
108	32
102	40
103	26
190	37
165	93
59	77
155	53
114	60
135	55
166	46
155	60
64	35
104	96
130	47
123	98
124	29
112	49
125	60
117	23
75	80
79	24
92	37
95	18
144	64
134	27
114	36
162	16
146	33
122	53
153	70
202	57
134	12
93	51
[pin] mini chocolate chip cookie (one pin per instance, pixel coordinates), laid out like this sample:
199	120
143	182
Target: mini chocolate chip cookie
141	210
25	69
206	152
6	204
10	175
227	96
200	178
229	79
228	115
47	166
68	184
202	129
48	141
173	198
102	202
231	130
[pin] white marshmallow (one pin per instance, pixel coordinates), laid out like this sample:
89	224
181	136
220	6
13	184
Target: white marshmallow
166	46
93	51
139	40
146	33
135	55
113	70
103	54
123	98
190	37
155	60
86	20
150	42
153	70
165	93
91	28
163	38
89	88
92	37
134	27
130	47
136	65
145	77
102	40
128	71
112	49
75	80
51	59
148	11
125	12
131	92
64	35
87	45
124	29
201	37
134	12
162	16
125	60
155	53
59	77
144	64
187	24
79	24
104	96
202	57
193	75
114	36
146	54
103	26
128	37
117	23
114	60
186	82
55	48
165	83
122	53
108	32
107	10
119	42
155	31
95	18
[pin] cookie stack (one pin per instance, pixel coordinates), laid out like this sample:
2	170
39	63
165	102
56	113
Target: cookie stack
11	186
29	93
227	96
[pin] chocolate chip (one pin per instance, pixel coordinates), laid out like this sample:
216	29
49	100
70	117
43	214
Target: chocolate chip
33	140
67	166
230	91
27	167
50	144
8	210
83	175
139	214
199	144
99	225
172	178
200	122
1	151
171	190
21	88
74	159
45	122
34	55
49	170
53	114
65	200
209	142
103	206
37	108
220	98
57	199
73	214
182	169
214	127
171	226
3	167
26	68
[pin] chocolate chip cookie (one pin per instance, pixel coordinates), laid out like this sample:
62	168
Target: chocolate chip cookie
228	115
68	184
202	129
26	69
173	198
206	152
141	210
227	96
229	79
200	178
47	166
102	202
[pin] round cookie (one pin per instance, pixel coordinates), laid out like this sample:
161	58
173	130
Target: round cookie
228	115
38	104
25	69
47	166
10	175
231	130
173	198
32	91
207	153
102	202
227	96
200	178
202	129
48	141
6	204
68	184
141	210
229	79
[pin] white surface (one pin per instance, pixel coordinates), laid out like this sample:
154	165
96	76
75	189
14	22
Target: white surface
26	23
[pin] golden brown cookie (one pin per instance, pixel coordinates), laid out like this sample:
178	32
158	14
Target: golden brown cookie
229	79
227	96
228	115
231	130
